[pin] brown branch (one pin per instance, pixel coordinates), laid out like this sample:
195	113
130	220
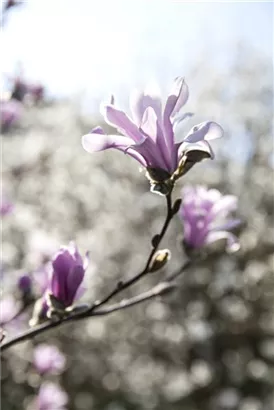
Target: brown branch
158	290
94	310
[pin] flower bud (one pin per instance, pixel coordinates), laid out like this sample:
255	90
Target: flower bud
159	260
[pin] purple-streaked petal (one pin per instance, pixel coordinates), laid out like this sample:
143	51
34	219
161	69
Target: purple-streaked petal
232	243
131	151
98	142
177	98
140	101
121	121
74	279
149	123
208	130
97	130
61	266
183	96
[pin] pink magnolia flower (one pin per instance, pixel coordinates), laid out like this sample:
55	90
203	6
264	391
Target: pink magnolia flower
205	216
149	137
66	274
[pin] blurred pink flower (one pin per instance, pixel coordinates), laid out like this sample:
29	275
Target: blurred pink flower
6	206
10	113
51	397
48	359
205	214
9	307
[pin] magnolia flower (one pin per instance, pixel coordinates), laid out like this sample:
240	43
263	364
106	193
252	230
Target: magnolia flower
48	359
149	136
204	213
50	397
66	275
10	113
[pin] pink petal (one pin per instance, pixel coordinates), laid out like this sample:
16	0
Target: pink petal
149	123
177	98
97	142
121	121
208	130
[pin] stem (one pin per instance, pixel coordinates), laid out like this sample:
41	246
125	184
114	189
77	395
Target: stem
126	284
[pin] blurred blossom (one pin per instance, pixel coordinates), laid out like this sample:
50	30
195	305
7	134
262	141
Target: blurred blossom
19	88
11	3
10	113
204	213
36	91
24	283
51	397
6	206
22	89
66	274
8	309
48	359
149	136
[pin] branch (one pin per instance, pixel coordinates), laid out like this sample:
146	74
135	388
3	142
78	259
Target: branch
94	310
160	289
126	284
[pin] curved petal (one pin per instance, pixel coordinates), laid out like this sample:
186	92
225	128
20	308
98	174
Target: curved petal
208	130
179	119
74	279
140	101
121	121
98	142
177	98
136	155
149	123
97	130
186	147
232	244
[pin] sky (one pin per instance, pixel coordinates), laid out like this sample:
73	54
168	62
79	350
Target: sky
93	46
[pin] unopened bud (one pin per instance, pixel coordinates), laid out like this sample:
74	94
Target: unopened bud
176	206
159	260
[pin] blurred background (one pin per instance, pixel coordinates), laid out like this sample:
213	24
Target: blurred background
209	345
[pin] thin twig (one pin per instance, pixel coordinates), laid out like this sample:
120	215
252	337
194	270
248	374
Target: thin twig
126	284
94	310
157	290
